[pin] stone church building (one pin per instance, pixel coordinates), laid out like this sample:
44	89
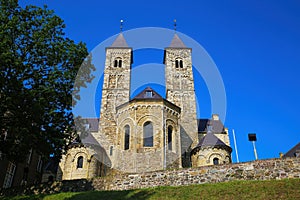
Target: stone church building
147	132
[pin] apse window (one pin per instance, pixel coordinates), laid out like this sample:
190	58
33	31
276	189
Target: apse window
170	132
79	162
148	134
127	137
216	161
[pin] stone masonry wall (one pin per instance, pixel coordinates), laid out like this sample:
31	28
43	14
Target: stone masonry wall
256	170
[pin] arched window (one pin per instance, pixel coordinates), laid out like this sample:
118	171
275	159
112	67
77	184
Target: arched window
79	162
178	63
170	132
118	62
127	137
148	134
216	161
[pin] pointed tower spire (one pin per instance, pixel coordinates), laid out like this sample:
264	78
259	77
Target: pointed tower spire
120	40
177	42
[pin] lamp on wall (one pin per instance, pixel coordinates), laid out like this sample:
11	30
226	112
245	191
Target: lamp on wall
252	138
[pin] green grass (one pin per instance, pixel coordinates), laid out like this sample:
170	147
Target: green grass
274	189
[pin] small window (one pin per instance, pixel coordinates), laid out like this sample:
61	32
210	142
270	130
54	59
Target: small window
178	63
148	134
111	150
216	161
118	62
79	162
127	137
170	132
149	94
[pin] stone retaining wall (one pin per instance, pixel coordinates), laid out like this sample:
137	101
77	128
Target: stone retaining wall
256	170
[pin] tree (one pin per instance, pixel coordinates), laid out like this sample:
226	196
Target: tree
38	69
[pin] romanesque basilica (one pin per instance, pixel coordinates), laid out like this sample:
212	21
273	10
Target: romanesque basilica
147	132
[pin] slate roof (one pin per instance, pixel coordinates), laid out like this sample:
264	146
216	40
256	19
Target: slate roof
177	42
145	92
120	41
210	140
216	125
292	152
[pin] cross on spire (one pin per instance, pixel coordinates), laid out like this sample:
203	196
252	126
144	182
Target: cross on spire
121	25
175	25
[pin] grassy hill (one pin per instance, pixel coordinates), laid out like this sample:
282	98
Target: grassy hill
274	189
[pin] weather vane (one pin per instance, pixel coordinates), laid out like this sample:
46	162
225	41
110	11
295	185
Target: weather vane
175	25
121	25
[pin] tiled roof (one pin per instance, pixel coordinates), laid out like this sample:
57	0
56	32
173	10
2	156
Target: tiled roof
216	125
292	152
177	42
148	93
120	41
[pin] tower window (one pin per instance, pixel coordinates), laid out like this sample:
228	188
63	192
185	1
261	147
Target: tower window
118	62
79	162
216	161
148	134
170	132
127	137
178	63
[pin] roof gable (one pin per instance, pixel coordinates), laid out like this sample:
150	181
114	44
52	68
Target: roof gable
148	93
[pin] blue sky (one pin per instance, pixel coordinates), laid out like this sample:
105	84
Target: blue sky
254	44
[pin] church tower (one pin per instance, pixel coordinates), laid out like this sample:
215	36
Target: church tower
180	91
115	91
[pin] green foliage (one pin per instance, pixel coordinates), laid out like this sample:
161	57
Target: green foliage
273	189
38	67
